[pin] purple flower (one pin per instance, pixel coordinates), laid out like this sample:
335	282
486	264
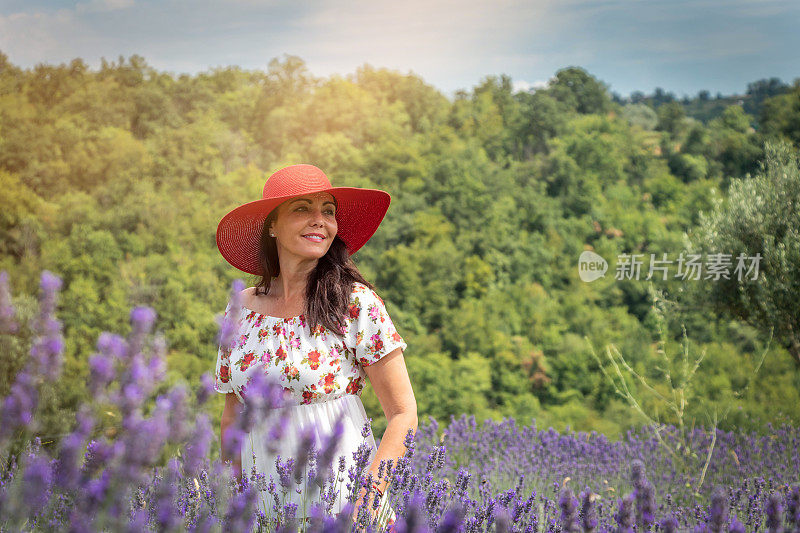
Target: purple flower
624	515
166	516
198	446
736	527
112	345
774	511
50	283
142	319
19	405
67	471
793	507
206	388
36	483
453	518
413	520
588	511
306	442
329	447
569	510
240	512
502	520
228	323
718	511
101	372
284	469
367	428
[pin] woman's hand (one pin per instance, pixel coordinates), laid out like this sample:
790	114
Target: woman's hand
373	514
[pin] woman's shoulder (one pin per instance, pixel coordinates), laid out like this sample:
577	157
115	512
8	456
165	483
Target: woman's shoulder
360	289
363	293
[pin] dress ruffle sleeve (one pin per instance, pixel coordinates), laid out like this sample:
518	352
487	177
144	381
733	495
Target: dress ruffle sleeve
370	333
222	373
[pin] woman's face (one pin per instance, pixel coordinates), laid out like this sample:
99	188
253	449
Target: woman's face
306	225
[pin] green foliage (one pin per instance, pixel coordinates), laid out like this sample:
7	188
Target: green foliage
779	116
664	393
640	115
760	219
115	179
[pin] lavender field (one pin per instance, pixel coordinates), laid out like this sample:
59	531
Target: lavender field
156	473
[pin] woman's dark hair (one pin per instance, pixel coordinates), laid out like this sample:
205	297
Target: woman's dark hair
329	284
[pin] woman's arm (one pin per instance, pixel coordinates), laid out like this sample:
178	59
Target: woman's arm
392	385
232	407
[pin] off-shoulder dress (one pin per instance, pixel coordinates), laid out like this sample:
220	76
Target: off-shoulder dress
322	375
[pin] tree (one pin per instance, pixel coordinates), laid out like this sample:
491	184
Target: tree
780	116
760	220
580	91
671	118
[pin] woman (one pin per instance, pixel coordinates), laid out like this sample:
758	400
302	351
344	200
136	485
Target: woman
299	238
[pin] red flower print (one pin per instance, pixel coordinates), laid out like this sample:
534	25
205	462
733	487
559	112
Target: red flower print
247	360
291	372
396	336
258	321
281	354
309	396
328	382
224	373
354	310
377	345
313	359
354	386
262	334
250	315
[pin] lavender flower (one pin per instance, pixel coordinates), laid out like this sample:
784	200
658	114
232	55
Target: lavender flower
569	510
718	512
67	472
793	508
625	514
774	511
307	440
668	524
736	527
588	511
36	484
198	446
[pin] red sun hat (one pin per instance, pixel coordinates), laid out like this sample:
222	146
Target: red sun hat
359	212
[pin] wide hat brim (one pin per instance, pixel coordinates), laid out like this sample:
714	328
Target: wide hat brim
359	212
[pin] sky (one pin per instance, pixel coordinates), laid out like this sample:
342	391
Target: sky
630	45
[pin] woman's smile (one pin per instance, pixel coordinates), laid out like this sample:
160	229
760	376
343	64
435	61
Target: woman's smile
314	237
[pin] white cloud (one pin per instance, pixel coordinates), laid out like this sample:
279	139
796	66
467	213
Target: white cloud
525	86
30	38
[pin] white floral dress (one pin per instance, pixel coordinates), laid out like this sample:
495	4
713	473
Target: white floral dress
322	375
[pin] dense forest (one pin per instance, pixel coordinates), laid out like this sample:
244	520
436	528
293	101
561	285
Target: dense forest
115	179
